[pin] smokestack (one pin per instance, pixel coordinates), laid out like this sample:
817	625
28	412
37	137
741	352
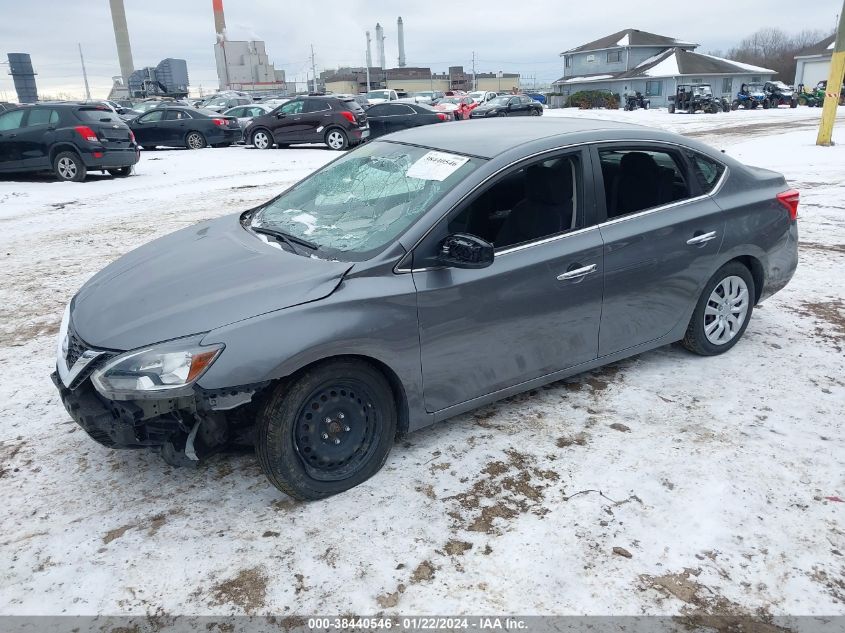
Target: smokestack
400	37
219	20
380	45
121	38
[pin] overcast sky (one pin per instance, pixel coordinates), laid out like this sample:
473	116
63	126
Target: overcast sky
508	35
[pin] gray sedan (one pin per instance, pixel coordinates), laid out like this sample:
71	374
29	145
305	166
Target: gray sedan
246	113
417	277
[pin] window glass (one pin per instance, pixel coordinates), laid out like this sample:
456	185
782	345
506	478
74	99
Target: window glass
383	109
155	115
636	179
727	85
177	115
653	88
236	112
253	112
360	203
11	120
292	107
614	56
706	170
98	115
316	105
42	116
537	201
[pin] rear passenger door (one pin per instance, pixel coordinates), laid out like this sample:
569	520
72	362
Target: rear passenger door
662	234
175	127
317	114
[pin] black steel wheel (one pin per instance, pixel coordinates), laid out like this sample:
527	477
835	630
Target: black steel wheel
328	430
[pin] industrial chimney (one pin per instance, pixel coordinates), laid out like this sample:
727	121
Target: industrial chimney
219	20
121	38
380	45
369	60
400	37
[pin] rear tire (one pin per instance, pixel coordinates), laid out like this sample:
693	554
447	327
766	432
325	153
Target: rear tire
262	139
328	430
195	140
722	312
336	139
68	167
671	108
120	172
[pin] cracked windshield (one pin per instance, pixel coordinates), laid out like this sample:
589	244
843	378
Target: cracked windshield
360	203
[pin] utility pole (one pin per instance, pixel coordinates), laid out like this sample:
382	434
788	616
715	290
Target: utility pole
474	81
834	85
84	75
314	68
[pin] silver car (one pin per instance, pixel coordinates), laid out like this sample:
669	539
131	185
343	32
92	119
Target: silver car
246	113
417	277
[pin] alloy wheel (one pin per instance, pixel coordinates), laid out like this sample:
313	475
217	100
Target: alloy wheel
726	311
195	141
335	139
260	140
67	168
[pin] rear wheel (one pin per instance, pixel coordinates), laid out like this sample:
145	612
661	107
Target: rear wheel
120	172
766	104
328	430
671	108
195	140
261	139
723	311
535	112
68	166
336	139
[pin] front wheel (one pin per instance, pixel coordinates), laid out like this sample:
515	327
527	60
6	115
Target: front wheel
261	139
671	108
336	139
328	430
723	311
535	112
766	104
68	167
195	140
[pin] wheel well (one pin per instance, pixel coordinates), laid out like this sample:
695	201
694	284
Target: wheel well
756	269
58	149
396	387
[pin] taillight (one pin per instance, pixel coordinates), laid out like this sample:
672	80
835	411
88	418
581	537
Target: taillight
131	136
441	116
348	116
789	199
219	122
86	133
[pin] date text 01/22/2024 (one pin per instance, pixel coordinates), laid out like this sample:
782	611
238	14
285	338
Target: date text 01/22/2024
481	623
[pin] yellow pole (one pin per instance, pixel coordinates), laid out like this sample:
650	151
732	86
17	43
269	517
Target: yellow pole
834	84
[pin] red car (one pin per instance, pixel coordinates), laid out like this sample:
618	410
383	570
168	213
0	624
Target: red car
458	106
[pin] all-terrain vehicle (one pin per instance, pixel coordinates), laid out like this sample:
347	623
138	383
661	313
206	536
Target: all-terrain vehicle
694	97
636	100
780	94
750	97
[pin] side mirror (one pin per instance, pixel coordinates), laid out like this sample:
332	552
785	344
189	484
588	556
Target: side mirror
462	250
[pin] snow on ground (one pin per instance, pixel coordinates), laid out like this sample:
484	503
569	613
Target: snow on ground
719	478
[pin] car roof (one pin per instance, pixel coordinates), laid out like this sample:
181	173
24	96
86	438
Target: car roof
496	136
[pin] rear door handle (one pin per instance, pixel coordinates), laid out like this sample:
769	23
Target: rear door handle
701	239
578	272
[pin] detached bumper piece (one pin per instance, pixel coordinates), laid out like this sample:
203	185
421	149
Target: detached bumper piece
123	424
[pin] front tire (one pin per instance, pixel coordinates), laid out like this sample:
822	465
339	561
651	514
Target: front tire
336	139
195	140
68	167
261	139
723	311
328	430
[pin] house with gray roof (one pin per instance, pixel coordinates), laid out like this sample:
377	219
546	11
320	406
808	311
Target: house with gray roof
632	61
812	65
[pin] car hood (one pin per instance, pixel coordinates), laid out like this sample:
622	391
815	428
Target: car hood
194	280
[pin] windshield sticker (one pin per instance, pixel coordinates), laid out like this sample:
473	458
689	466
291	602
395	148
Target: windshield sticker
436	166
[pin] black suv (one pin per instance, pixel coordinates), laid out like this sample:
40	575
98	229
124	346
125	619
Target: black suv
338	122
70	139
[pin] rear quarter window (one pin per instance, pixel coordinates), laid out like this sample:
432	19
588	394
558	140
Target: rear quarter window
706	171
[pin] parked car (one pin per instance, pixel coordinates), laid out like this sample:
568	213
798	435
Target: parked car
508	105
780	94
692	98
225	102
636	101
245	114
428	97
339	123
482	96
750	96
180	126
68	138
538	97
385	118
380	96
375	296
457	107
5	105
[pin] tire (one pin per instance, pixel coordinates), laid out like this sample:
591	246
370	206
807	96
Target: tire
303	426
195	140
336	139
120	172
802	101
261	139
793	103
535	112
702	337
671	108
68	167
714	108
766	104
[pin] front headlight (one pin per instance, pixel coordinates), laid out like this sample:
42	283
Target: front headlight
168	369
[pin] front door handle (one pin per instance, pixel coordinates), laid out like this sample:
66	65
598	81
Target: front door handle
576	273
702	238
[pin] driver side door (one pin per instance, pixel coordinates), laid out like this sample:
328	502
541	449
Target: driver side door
289	126
536	308
147	127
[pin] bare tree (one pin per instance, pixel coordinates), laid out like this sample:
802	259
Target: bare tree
775	49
